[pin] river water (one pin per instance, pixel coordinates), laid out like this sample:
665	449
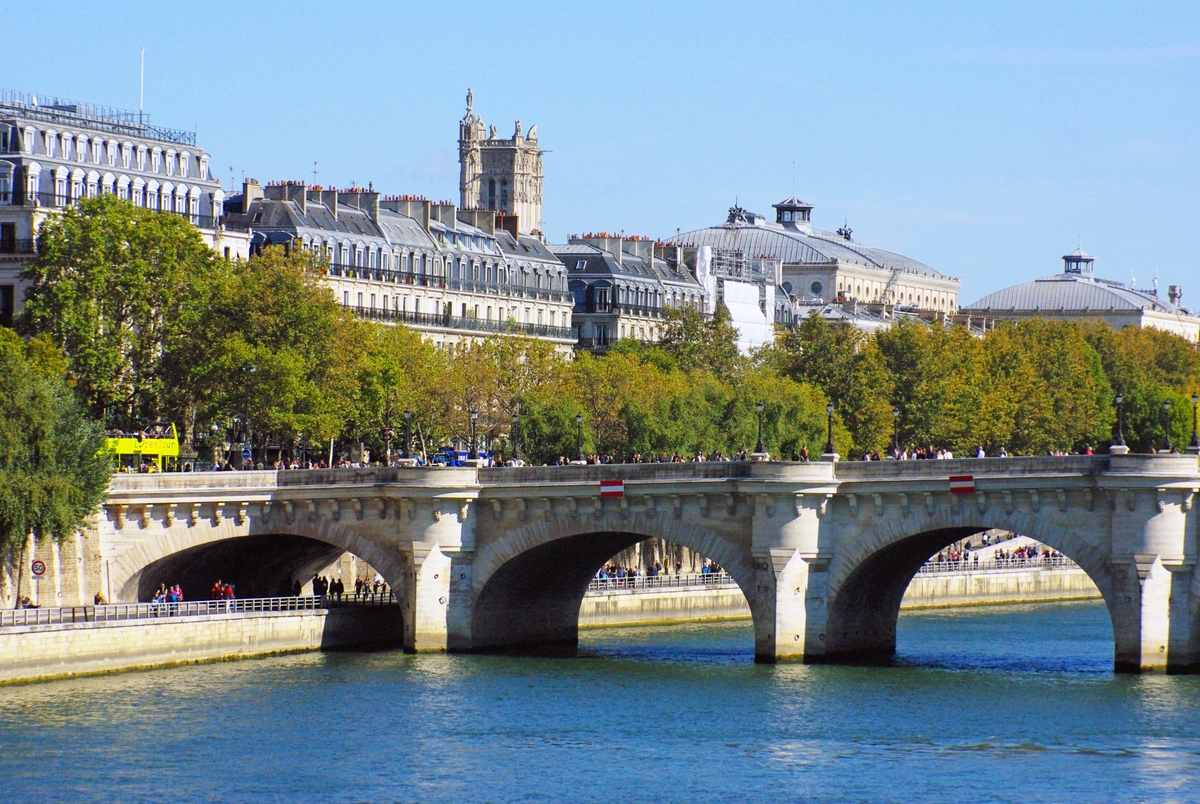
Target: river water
1010	704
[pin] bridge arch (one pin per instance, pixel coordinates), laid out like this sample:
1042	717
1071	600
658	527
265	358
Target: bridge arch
868	578
527	585
274	548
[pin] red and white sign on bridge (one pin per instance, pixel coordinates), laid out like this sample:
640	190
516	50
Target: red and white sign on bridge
962	484
612	488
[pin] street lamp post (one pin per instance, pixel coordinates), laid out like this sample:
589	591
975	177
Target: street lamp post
758	448
216	435
1167	426
895	433
516	437
474	451
1194	444
408	414
1119	401
387	426
829	450
579	439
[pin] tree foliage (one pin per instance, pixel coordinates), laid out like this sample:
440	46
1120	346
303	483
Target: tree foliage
273	346
145	323
52	472
118	288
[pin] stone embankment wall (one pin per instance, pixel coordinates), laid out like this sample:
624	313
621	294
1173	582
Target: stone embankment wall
994	587
49	651
933	590
657	606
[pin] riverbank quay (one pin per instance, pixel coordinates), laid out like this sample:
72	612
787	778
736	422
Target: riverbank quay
41	644
996	583
664	599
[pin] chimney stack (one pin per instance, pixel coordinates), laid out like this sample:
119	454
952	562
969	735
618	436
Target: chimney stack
1175	294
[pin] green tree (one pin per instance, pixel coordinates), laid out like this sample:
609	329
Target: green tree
118	288
399	371
696	343
274	346
1148	367
52	471
846	365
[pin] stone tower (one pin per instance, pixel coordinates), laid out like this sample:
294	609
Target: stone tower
503	175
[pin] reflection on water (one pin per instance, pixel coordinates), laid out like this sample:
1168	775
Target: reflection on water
999	704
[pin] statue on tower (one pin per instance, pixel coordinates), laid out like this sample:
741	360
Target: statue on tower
470	98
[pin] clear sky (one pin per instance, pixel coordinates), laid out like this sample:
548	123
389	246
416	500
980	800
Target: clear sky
983	140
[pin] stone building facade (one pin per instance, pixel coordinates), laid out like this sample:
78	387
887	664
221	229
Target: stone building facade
449	273
622	285
54	152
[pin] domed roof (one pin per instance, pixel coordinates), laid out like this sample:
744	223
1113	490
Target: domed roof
795	243
1070	292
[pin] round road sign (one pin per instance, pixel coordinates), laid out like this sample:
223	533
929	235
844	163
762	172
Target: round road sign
38	568
246	454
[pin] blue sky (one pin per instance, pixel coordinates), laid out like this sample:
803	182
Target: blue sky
985	140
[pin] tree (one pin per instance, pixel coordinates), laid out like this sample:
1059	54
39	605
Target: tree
696	343
273	346
846	365
492	377
118	288
52	470
399	371
1148	367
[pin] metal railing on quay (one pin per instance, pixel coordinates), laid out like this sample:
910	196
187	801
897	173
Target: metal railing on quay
117	612
997	565
663	581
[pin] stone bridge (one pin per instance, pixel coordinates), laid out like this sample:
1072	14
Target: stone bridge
499	558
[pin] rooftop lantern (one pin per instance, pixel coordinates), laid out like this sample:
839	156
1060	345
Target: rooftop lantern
793	211
1078	262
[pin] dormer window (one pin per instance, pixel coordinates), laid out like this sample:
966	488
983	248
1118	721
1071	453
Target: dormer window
581	265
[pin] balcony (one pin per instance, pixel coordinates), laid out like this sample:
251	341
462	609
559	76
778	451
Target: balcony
469	323
20	247
617	308
442	283
60	201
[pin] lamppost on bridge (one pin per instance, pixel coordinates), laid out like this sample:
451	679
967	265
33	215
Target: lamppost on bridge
408	415
1194	444
516	436
758	448
895	433
387	426
579	439
1167	426
474	451
1118	445
830	452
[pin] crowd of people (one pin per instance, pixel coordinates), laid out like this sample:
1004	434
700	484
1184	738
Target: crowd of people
622	572
222	591
322	586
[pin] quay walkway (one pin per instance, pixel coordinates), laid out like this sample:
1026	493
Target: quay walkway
117	612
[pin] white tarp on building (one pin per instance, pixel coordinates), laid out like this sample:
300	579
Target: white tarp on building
754	329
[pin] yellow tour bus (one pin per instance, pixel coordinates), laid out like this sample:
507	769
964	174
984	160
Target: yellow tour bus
157	447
